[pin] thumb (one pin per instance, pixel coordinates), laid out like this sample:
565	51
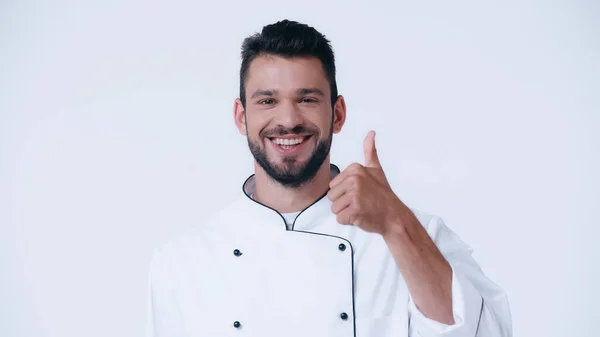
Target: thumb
371	158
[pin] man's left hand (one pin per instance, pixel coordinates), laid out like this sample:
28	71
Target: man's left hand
362	196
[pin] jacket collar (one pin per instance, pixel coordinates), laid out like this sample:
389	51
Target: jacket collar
305	220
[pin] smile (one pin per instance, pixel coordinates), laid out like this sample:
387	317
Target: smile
289	145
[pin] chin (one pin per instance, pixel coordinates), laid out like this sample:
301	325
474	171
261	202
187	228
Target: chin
289	167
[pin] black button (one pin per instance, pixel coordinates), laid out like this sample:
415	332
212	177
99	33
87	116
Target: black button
344	316
237	252
342	247
237	324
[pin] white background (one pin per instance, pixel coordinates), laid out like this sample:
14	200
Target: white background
116	129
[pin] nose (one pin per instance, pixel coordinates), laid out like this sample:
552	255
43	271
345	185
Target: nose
289	116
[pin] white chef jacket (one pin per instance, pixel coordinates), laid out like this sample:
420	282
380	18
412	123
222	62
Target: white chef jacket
241	273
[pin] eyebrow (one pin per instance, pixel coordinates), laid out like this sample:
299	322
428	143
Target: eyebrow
268	92
307	91
301	91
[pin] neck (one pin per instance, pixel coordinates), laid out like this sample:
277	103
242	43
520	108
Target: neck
288	200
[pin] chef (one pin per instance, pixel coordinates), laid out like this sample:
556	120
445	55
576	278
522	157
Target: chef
310	250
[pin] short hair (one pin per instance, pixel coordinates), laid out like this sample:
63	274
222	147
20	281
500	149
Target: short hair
288	39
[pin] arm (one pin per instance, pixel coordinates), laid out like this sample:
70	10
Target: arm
161	312
449	294
150	330
479	307
426	272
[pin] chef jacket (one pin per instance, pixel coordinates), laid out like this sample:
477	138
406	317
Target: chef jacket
242	273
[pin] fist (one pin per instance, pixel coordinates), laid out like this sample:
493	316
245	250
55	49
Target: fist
362	196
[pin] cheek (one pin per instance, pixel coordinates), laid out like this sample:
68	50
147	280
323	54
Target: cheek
320	119
325	126
254	127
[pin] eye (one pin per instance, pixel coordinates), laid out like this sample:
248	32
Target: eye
267	101
308	100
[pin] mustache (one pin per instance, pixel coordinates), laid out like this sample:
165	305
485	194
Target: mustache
282	131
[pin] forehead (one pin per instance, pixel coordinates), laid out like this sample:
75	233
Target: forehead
283	74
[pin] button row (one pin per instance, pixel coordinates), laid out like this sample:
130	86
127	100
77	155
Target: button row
238	325
238	253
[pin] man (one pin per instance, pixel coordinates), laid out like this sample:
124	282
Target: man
308	250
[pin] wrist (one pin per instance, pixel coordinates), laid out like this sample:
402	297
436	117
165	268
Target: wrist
395	229
400	223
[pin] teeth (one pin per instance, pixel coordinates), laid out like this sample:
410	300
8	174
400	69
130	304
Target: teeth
294	141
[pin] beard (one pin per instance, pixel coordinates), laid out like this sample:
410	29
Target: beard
292	174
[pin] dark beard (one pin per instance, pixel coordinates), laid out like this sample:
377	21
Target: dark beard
298	176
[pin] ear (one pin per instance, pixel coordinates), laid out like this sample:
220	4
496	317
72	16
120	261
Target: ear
339	114
239	116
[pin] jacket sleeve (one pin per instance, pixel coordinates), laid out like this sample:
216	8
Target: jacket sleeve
150	329
162	312
480	307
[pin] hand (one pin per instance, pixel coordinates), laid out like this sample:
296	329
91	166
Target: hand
362	196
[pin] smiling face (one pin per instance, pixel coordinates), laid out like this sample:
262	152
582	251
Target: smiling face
288	119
